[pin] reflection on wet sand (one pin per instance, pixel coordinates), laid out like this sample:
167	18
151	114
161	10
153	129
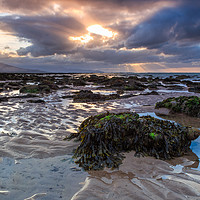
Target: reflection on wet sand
41	179
142	178
183	119
36	161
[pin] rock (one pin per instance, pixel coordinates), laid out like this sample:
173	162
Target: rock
3	99
35	89
143	79
36	101
134	85
78	82
120	92
195	89
67	96
179	77
104	137
151	93
153	86
194	133
96	79
174	87
50	84
193	86
89	96
162	111
188	105
170	79
23	96
116	82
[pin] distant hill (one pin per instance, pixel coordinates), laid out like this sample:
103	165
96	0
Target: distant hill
4	68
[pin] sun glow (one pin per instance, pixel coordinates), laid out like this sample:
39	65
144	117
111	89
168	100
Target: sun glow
135	67
99	30
83	39
96	29
56	7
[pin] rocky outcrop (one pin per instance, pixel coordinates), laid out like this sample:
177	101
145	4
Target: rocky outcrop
104	137
89	96
183	104
35	89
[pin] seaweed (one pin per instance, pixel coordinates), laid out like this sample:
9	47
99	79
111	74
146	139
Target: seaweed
89	96
188	105
105	137
35	89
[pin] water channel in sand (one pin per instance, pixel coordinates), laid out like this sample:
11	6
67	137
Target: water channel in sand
36	163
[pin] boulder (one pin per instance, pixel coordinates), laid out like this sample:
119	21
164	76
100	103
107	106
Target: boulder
104	137
195	89
35	89
183	104
89	96
36	101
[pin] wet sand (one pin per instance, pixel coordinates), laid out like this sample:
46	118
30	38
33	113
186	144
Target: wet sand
143	178
36	162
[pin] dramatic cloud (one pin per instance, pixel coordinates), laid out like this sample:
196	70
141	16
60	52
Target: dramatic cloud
121	56
48	35
168	25
131	5
103	34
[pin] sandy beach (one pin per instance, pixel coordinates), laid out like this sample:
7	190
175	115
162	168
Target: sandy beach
36	163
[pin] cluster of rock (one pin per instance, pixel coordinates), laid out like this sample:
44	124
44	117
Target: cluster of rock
123	83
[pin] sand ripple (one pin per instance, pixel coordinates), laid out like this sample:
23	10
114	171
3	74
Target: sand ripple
34	166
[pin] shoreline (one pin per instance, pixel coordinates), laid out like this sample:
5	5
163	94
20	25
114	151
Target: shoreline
32	146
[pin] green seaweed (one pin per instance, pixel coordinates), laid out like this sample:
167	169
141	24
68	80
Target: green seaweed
31	91
106	136
183	104
153	135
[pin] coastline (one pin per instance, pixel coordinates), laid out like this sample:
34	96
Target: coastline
32	146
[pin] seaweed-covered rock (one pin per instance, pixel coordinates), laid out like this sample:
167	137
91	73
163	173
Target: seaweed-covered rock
154	86
51	84
96	79
104	137
78	82
89	96
171	80
3	99
151	93
35	89
188	105
193	86
134	85
36	101
195	89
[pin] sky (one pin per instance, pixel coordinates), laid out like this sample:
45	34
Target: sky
101	35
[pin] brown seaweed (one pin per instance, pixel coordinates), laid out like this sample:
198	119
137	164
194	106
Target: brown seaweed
106	136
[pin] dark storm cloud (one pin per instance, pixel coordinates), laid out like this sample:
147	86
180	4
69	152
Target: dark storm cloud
169	30
48	34
121	56
14	5
179	24
39	4
184	53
